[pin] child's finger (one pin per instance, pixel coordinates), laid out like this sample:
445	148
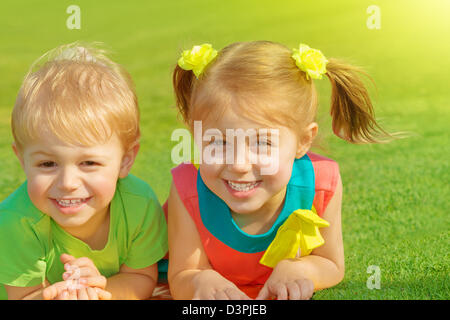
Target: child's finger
92	293
73	284
66	258
80	263
97	281
221	295
202	296
72	294
280	291
293	291
51	292
82	294
63	295
79	273
306	288
103	294
263	294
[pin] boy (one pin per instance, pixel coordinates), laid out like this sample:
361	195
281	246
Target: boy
81	226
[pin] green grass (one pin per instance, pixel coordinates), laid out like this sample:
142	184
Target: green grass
396	196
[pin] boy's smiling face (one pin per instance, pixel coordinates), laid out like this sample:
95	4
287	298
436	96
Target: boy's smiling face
73	183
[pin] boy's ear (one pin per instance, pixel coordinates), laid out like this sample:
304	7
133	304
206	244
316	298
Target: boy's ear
18	154
128	160
305	142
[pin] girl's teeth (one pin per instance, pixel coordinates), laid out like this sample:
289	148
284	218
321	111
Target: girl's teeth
242	186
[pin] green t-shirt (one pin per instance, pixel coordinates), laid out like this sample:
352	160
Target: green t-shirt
31	242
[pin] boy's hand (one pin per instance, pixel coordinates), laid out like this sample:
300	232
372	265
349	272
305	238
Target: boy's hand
72	290
88	293
210	285
83	281
286	283
84	270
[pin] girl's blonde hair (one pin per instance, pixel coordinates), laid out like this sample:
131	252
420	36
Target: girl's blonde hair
263	76
78	94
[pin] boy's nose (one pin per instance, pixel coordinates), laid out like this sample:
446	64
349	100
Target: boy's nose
68	179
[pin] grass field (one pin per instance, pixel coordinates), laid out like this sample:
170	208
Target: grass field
396	196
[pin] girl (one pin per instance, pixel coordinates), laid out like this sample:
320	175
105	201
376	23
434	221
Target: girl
232	225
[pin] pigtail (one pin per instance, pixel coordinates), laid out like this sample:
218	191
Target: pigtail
351	107
183	81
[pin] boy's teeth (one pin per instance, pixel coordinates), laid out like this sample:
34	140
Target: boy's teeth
69	202
242	186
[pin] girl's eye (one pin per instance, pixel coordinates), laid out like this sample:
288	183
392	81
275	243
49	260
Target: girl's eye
219	142
264	143
47	164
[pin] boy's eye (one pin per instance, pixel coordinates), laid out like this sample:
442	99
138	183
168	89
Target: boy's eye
89	163
47	164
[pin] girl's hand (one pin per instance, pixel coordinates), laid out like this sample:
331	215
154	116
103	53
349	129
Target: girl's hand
210	285
84	270
286	283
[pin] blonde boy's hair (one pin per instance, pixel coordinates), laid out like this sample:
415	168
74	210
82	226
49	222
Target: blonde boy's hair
78	94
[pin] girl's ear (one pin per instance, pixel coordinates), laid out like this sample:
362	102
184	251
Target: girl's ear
19	155
128	160
306	139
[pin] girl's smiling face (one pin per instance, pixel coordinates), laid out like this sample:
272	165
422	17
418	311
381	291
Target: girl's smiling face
245	185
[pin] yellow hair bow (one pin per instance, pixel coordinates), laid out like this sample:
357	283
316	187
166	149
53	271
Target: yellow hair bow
300	230
311	61
197	58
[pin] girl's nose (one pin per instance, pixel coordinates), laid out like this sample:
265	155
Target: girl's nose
68	179
241	167
241	162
